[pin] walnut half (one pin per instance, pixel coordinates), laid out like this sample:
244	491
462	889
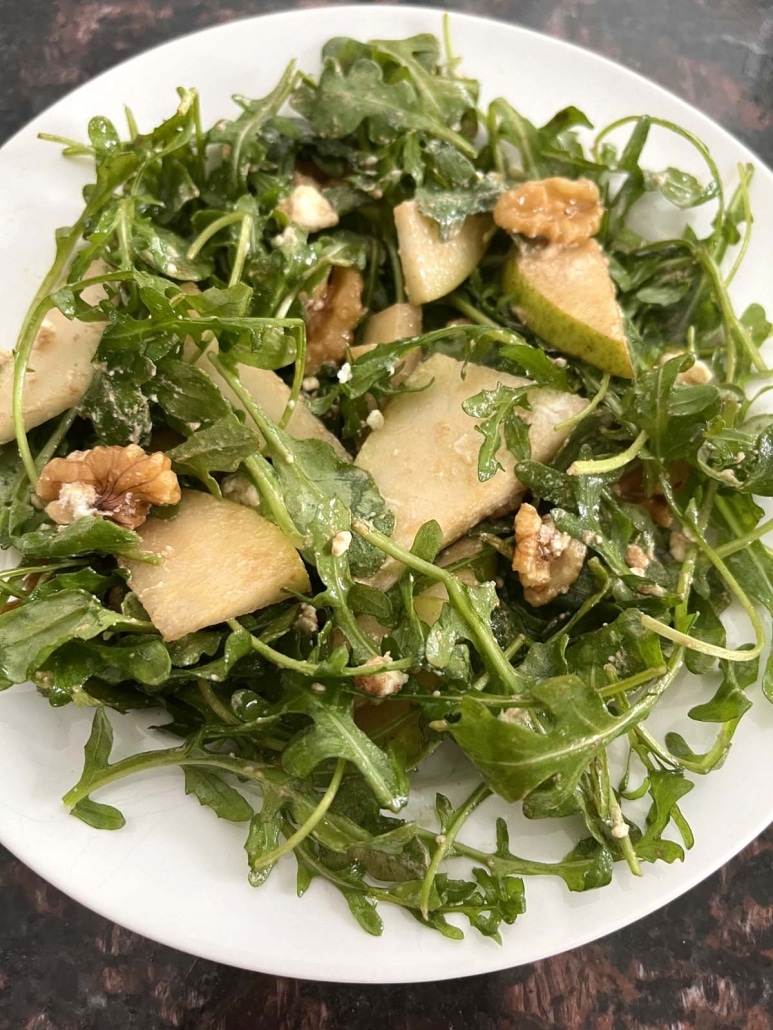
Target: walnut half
546	560
381	684
331	318
119	483
558	209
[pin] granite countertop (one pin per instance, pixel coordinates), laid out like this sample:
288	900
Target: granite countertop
703	961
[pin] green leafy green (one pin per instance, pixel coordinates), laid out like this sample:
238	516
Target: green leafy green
303	719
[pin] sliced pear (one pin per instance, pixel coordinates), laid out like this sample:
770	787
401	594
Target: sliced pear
424	459
221	560
59	370
433	267
398	322
272	393
566	295
429	603
269	390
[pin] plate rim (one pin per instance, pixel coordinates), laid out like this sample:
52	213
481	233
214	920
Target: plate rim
499	961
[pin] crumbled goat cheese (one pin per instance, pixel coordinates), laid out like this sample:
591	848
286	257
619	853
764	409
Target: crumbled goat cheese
340	543
375	419
307	621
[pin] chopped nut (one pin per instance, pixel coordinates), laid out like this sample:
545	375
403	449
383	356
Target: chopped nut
636	558
331	318
119	483
561	210
381	684
631	487
546	560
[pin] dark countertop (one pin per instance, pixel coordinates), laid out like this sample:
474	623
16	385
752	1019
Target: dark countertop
704	961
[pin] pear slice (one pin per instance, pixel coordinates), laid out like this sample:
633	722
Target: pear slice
397	322
433	267
59	370
272	394
220	560
424	459
566	295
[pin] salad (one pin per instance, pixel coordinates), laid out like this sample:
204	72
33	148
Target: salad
367	423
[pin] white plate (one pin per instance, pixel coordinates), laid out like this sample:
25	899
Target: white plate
175	873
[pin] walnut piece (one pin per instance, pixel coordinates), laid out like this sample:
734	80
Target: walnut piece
119	483
558	209
331	318
546	560
631	487
637	559
381	684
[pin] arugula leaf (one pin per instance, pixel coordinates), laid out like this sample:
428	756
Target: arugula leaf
29	634
335	734
675	416
96	758
213	792
89	535
450	207
516	760
499	411
97	815
666	789
219	447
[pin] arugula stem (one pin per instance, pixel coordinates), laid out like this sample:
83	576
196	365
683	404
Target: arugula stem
509	652
742	542
590	408
705	763
67	244
221	711
397	271
654	746
617	461
21	357
470	311
745	173
308	827
160	759
314	670
262	475
612	815
737	331
699	145
280	452
242	250
675	635
632	682
501	865
131	123
444	842
490	651
212	230
72	147
298	376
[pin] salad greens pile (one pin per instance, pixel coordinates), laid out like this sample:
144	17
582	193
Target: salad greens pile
273	729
